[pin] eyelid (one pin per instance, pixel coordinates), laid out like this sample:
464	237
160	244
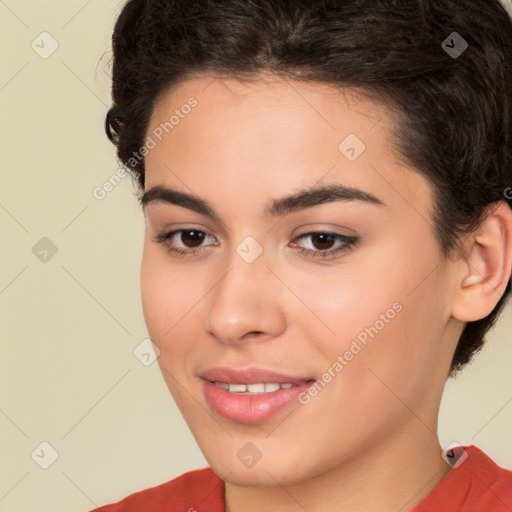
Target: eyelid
155	217
319	227
184	226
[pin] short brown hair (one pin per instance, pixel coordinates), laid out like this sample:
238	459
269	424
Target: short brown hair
444	65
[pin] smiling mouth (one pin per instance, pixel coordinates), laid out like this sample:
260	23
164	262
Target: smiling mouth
251	395
259	388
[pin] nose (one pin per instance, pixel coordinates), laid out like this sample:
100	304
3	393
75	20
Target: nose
245	303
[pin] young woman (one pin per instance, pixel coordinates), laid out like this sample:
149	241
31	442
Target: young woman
326	189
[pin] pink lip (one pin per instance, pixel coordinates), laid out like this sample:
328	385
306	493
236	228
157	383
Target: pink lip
249	376
250	409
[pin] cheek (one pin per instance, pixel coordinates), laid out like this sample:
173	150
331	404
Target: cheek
332	306
384	311
395	351
168	298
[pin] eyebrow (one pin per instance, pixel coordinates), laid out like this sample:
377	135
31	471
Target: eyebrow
306	198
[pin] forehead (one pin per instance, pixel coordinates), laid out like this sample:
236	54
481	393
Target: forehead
273	134
272	95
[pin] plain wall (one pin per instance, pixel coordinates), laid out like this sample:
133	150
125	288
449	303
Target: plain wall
70	324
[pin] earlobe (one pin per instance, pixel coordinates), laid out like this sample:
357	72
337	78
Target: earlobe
485	269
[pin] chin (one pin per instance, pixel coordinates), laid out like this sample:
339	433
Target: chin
270	473
248	478
255	477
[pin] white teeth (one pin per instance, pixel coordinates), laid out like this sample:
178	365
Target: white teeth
254	389
237	388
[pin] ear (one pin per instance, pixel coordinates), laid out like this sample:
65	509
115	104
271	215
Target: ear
484	270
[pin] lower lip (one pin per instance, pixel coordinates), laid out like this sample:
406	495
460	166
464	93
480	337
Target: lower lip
250	409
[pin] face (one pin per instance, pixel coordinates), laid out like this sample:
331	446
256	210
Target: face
341	297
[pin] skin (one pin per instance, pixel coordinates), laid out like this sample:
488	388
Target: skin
368	440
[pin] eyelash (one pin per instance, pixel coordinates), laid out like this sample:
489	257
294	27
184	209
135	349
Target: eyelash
348	243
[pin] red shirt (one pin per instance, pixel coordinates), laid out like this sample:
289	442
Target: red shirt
477	485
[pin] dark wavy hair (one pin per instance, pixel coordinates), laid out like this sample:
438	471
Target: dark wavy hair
454	111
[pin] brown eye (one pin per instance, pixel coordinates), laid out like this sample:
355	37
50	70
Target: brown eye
182	242
322	241
325	244
192	238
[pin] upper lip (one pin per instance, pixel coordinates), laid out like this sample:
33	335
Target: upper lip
249	376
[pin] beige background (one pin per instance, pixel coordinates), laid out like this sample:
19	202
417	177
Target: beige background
70	325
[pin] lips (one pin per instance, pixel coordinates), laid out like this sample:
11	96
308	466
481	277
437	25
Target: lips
251	395
250	376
